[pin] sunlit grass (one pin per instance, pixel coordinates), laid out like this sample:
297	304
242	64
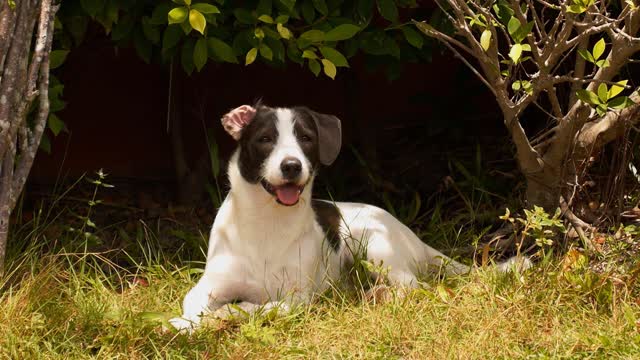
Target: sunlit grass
83	306
60	300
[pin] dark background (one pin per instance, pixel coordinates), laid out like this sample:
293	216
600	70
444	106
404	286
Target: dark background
406	131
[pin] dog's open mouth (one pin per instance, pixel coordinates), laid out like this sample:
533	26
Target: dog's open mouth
286	194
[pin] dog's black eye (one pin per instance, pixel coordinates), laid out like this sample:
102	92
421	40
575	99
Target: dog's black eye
265	139
305	138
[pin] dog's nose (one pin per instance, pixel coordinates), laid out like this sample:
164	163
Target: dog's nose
291	168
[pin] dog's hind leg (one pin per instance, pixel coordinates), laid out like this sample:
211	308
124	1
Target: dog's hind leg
402	277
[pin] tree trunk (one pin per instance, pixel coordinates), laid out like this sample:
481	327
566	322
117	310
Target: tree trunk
545	187
24	77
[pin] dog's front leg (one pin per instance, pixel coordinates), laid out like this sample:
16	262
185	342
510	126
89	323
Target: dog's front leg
245	308
199	301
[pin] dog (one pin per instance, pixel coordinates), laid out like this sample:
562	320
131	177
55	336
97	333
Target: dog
273	246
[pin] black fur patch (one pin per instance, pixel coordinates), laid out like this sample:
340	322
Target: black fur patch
328	216
307	134
258	139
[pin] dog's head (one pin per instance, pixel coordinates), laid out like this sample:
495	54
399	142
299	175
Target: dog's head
281	148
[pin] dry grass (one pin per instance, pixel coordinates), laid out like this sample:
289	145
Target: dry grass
73	306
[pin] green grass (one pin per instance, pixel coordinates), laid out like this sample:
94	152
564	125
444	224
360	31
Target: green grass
57	303
68	306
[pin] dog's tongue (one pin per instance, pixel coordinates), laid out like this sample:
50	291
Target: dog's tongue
288	194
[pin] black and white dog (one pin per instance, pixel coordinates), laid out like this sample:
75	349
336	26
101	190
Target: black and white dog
271	245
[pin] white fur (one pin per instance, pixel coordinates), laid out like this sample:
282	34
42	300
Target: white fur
268	255
286	146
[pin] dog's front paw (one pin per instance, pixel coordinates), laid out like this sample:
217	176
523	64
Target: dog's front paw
183	325
239	310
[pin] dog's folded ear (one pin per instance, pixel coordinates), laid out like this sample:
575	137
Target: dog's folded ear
235	120
329	137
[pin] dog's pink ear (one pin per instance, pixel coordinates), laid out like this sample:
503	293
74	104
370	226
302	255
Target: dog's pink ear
235	120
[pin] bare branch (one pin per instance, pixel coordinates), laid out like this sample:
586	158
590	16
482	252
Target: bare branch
438	35
578	71
555	103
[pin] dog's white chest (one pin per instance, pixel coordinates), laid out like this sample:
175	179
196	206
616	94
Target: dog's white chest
267	258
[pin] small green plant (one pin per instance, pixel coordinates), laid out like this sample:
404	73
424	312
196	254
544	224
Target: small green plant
86	230
537	224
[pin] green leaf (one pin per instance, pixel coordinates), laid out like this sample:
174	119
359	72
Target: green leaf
244	16
388	10
200	54
92	7
334	56
576	9
365	9
503	12
513	26
485	39
413	37
515	53
288	3
264	7
282	19
308	12
222	50
277	48
266	19
152	33
524	31
314	66
615	89
266	52
159	14
251	56
602	63
178	15
186	27
313	36
309	54
588	97
526	47
283	31
270	33
197	20
329	68
341	32
258	33
598	49
186	56
585	54
294	54
171	37
45	144
55	124
57	58
142	45
603	92
321	6
601	109
206	8
620	103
